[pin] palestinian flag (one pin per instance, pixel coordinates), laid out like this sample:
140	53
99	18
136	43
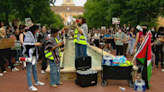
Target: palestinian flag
144	56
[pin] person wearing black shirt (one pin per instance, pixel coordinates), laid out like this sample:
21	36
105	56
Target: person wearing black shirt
42	36
159	44
5	53
153	32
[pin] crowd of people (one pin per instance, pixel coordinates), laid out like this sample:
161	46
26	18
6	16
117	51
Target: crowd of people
33	43
124	40
127	39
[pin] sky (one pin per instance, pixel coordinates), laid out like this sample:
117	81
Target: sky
76	2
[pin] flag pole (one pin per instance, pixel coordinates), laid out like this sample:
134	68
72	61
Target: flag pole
139	47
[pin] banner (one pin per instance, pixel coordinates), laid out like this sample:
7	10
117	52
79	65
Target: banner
7	43
115	20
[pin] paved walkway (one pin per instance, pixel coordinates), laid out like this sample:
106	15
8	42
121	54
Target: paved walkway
16	82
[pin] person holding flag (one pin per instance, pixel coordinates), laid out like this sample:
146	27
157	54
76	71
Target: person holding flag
143	55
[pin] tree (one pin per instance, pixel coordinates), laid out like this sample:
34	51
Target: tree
38	10
96	13
101	12
59	22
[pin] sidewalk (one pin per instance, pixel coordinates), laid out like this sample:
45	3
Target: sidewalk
16	82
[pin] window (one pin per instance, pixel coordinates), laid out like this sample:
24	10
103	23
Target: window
65	15
67	0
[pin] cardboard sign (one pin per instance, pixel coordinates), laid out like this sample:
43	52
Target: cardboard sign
115	20
28	21
7	43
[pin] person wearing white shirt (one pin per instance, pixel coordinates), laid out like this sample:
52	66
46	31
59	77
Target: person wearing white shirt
96	38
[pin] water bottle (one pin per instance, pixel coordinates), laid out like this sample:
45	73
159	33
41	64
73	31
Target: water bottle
122	88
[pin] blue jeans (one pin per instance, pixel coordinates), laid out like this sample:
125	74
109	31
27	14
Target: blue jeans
18	54
31	69
80	50
54	73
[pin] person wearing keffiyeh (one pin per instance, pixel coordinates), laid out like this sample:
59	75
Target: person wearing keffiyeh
30	50
52	54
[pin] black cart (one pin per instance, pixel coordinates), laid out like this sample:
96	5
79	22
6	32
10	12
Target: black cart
117	73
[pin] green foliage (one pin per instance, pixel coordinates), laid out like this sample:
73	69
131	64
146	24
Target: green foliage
59	22
101	12
38	10
96	13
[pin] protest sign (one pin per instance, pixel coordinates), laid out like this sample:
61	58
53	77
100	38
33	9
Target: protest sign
28	22
115	20
7	43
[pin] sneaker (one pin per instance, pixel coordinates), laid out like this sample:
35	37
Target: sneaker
61	83
39	83
54	85
162	70
42	72
15	69
32	88
4	71
1	74
24	67
17	62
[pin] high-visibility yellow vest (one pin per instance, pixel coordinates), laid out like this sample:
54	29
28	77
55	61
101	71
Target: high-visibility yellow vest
81	39
49	54
59	47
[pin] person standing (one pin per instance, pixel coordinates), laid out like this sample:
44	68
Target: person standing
96	38
132	38
52	53
112	40
153	38
120	38
42	36
159	46
18	51
139	39
125	43
30	50
21	38
5	53
107	38
80	37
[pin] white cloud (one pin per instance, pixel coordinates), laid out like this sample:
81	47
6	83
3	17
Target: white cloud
76	2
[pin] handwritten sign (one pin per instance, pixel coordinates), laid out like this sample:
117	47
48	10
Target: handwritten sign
7	43
115	20
28	21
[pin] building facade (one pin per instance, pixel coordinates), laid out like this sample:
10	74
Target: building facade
66	9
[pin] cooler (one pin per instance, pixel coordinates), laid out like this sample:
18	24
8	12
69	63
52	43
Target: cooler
85	76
